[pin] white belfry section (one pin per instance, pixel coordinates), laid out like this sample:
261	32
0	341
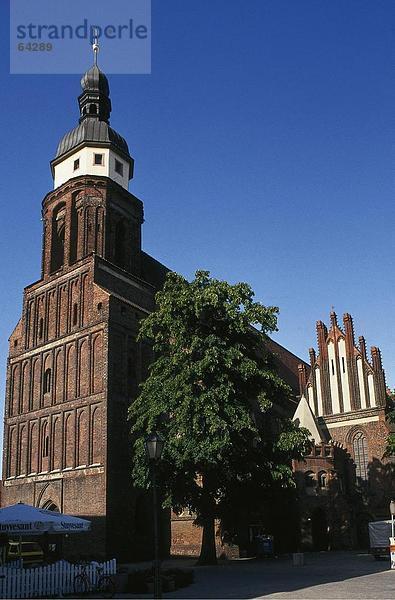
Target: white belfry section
333	378
319	394
305	418
344	375
84	162
361	383
372	393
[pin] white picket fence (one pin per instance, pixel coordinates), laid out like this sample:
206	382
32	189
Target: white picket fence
50	580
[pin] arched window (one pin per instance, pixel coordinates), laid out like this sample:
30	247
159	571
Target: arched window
47	381
46	446
322	479
44	441
360	449
309	479
58	233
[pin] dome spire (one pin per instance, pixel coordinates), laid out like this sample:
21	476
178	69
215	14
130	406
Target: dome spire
95	46
95	100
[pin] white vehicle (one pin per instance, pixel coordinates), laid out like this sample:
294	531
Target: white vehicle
379	537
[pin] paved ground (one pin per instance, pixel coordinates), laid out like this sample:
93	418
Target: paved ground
325	576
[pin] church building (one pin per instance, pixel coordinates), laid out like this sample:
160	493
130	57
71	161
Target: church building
74	363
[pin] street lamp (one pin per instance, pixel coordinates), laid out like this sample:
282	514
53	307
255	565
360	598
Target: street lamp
154	445
392	512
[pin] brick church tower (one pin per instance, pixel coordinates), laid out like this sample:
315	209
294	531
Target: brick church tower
74	363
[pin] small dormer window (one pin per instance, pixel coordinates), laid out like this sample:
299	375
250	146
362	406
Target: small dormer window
76	164
98	159
119	167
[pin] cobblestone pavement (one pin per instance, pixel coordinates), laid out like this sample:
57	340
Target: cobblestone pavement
325	576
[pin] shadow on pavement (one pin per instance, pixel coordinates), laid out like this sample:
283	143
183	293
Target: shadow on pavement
325	575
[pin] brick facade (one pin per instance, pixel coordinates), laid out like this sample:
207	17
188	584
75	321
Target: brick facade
347	394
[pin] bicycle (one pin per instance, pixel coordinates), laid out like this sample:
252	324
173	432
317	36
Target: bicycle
105	585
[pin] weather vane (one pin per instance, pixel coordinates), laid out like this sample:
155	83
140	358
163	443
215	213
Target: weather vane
95	45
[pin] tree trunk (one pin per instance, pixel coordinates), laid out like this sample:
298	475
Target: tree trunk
208	554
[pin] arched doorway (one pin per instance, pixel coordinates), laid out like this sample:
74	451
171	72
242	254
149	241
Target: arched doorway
51	544
319	529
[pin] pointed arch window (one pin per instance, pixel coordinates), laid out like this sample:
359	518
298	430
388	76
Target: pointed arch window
322	479
360	450
49	505
45	441
58	237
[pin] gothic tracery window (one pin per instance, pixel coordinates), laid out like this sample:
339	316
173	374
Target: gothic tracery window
360	449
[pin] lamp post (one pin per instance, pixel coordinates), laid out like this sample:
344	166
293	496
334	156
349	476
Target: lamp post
392	538
392	512
154	447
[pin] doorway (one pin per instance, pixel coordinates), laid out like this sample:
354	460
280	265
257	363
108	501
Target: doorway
319	529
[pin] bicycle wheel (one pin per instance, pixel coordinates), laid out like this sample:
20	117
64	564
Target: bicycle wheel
106	586
81	585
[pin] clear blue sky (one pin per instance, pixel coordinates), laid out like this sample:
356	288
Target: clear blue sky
263	142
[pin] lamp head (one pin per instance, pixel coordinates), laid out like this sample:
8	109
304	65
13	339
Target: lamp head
154	445
392	507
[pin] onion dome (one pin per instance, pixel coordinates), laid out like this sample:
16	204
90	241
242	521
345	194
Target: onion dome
95	80
95	109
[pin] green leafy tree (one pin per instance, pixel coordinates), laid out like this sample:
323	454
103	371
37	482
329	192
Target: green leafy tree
214	396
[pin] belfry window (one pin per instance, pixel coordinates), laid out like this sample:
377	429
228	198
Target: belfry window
58	236
98	159
360	449
76	164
